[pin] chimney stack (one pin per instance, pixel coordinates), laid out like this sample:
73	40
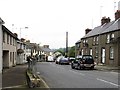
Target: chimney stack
117	14
27	41
105	20
87	30
46	46
22	40
16	34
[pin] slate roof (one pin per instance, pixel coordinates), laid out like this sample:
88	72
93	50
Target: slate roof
107	27
1	21
9	32
78	41
46	49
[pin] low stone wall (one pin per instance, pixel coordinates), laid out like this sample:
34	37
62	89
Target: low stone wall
35	81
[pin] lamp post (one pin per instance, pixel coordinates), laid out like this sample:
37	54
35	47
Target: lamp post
21	29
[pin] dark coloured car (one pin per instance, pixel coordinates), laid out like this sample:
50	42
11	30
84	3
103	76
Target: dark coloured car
71	59
82	62
64	61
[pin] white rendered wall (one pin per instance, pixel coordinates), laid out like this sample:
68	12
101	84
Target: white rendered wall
1	48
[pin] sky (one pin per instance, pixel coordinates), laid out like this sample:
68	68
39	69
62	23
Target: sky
49	20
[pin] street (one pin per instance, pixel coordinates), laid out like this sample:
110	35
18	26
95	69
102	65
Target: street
62	76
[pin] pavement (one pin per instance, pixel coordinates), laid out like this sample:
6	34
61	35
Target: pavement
15	77
108	68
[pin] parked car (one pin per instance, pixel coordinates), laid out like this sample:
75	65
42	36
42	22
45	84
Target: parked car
71	59
58	59
64	61
50	59
82	62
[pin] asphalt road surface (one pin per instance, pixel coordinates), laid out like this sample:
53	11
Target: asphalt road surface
62	76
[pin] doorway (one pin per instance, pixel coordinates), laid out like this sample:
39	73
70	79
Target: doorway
103	56
5	59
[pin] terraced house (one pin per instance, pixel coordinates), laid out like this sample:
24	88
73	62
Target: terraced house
1	23
21	51
9	48
102	42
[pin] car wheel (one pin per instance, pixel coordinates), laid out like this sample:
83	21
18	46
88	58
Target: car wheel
72	67
92	68
79	67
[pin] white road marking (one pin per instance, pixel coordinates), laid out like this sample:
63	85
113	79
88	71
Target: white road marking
18	86
107	82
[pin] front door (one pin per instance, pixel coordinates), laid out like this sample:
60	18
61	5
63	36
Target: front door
103	55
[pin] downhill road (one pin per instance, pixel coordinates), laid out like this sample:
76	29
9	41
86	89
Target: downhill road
62	76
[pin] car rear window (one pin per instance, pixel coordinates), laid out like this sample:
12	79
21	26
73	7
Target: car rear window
88	59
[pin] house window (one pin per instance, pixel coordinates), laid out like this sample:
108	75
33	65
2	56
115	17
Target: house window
86	51
112	35
10	56
97	40
13	41
83	41
111	53
86	41
13	57
4	37
78	45
91	51
10	40
108	38
94	41
7	39
82	51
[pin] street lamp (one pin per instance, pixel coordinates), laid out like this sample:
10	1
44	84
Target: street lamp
22	28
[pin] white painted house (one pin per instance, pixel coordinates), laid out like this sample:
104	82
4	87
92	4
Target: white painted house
1	34
21	52
9	48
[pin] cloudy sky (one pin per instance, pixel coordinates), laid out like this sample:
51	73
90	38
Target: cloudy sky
49	20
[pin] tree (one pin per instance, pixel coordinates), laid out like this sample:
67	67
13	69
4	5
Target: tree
72	51
61	50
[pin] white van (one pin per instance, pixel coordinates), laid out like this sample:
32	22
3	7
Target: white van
50	59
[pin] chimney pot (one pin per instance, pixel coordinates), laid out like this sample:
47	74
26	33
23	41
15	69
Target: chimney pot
117	14
105	20
16	34
22	40
87	30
